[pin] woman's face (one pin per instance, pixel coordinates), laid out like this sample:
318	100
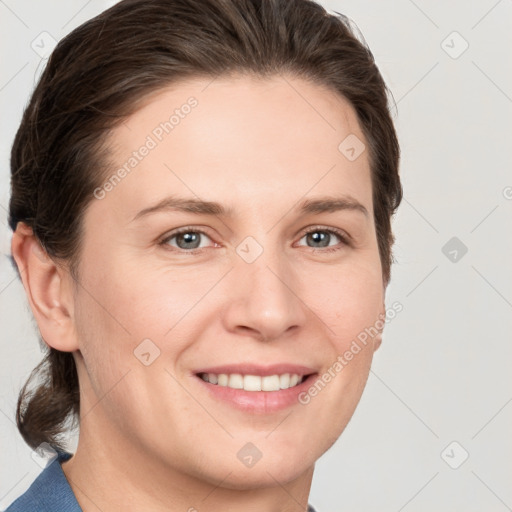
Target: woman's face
246	286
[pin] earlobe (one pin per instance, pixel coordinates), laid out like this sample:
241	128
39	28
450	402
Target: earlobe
46	286
377	340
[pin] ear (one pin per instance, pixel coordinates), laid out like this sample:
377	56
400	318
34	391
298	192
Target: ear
48	289
377	340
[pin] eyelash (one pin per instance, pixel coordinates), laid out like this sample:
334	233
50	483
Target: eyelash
345	239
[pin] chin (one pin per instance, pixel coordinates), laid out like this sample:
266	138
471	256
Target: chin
274	465
260	477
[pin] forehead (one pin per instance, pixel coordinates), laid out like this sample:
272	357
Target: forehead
238	140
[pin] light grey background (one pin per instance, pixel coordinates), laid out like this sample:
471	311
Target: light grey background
442	374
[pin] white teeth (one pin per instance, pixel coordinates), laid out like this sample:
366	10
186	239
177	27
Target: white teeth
253	382
270	383
284	381
236	381
222	379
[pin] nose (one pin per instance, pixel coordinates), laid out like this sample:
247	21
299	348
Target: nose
265	301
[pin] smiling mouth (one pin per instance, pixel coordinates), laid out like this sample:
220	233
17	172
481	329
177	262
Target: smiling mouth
275	382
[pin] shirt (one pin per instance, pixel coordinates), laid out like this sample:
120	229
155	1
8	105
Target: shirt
50	491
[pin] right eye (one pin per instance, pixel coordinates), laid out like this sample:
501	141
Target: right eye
186	239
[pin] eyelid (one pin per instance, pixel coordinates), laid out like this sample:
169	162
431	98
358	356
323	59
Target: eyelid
186	229
338	231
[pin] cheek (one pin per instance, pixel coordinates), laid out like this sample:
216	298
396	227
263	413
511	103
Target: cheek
350	301
125	300
351	308
123	307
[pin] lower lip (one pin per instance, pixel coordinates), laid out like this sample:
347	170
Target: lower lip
262	402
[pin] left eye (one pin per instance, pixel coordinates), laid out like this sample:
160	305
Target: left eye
324	236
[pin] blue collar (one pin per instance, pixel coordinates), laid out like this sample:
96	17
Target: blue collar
49	491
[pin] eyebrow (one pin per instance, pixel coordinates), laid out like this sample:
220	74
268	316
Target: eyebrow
199	207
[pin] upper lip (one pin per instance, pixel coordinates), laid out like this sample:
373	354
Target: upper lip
255	369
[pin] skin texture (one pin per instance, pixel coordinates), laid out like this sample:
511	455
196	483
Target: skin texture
151	438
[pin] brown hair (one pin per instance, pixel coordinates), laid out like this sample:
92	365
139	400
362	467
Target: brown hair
97	75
